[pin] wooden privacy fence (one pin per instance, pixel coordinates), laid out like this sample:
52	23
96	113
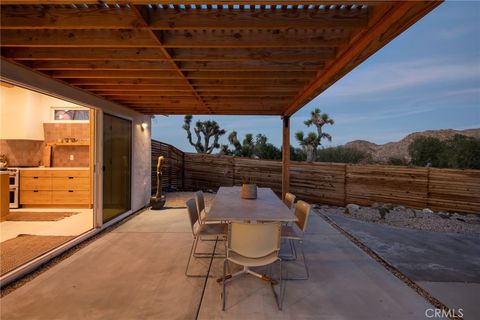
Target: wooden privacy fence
340	184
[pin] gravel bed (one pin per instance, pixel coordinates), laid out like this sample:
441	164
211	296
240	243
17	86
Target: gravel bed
411	218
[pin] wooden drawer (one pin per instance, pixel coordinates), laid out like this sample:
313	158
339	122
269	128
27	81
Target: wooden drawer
70	183
35	183
34	197
71	197
35	173
71	173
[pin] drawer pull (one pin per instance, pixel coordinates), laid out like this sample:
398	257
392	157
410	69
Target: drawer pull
35	190
35	177
70	190
70	177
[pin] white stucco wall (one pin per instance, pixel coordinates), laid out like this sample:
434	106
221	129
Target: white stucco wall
141	155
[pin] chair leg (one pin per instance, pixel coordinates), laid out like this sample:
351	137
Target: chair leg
293	255
294	250
206	254
304	260
280	295
190	258
192	253
307	273
224	284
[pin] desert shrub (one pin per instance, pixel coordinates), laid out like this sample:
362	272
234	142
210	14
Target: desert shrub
427	151
342	154
459	152
297	154
396	161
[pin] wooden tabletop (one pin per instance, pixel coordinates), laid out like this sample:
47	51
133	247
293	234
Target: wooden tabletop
229	206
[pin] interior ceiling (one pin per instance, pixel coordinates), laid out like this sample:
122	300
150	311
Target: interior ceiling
205	57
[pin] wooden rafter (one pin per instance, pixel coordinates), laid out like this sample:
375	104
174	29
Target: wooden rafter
206	57
178	19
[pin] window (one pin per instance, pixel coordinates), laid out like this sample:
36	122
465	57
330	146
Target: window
70	114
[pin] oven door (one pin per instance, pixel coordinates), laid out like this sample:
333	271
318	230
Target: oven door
13	180
13	195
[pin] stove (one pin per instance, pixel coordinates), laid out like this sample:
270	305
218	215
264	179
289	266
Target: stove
13	183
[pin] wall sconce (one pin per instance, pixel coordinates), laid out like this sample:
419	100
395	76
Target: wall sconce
144	126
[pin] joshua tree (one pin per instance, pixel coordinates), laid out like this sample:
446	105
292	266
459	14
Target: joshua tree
244	149
209	129
311	142
258	148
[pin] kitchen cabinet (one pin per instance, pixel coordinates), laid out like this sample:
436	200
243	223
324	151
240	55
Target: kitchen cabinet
55	188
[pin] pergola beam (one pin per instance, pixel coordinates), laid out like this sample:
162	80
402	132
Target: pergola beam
203	2
166	65
178	19
303	54
132	38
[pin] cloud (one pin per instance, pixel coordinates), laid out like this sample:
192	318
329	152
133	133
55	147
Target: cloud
385	77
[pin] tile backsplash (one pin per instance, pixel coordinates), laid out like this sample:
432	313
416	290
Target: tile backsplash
30	152
55	132
21	153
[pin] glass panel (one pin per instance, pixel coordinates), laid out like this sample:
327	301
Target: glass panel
117	159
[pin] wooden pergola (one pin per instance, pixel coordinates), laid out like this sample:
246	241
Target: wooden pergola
203	57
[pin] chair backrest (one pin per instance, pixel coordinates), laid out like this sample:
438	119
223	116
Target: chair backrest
302	210
192	213
254	240
289	200
200	201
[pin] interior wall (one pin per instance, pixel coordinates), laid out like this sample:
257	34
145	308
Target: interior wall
22	114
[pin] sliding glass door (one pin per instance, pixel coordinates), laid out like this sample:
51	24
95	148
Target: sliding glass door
117	166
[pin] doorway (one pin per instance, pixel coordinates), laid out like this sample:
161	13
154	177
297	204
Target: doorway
117	166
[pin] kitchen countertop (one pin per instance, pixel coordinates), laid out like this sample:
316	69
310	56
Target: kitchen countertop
56	168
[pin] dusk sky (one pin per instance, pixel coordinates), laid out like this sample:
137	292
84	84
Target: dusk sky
427	78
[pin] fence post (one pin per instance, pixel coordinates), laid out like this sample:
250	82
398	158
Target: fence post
427	198
183	170
345	168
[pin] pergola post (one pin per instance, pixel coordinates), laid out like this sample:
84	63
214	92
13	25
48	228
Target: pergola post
285	155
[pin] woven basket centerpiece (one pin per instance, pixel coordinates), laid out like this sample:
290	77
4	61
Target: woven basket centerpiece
249	189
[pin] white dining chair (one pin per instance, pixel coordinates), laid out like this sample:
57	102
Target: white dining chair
203	232
296	232
253	245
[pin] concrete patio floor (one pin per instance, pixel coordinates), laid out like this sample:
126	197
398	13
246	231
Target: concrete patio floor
137	272
445	264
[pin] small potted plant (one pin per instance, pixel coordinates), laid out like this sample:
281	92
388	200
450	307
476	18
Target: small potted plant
249	188
3	161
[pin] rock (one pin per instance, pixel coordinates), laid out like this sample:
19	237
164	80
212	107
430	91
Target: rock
399	208
376	205
427	211
444	216
350	208
388	206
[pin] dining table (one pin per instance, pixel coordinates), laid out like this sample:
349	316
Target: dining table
229	206
267	207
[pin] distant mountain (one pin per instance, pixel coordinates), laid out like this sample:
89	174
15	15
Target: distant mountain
399	149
